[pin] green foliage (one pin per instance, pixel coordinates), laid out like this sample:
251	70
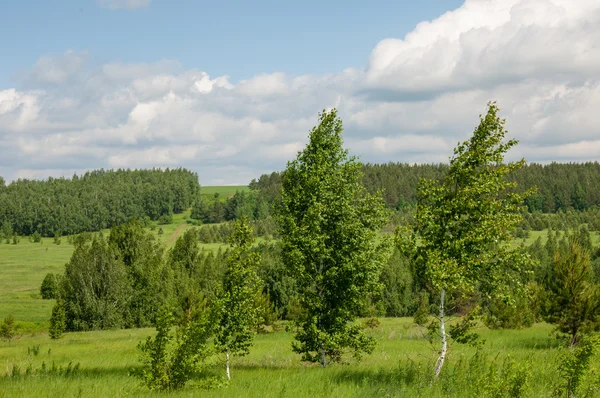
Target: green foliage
165	219
521	311
57	320
574	367
8	328
36	237
94	200
463	222
35	350
147	277
49	287
57	239
571	300
236	310
96	286
168	361
329	227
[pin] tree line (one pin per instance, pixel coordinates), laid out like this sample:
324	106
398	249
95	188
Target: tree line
94	200
560	186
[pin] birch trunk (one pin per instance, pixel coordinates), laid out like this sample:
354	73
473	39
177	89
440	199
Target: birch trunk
442	357
227	365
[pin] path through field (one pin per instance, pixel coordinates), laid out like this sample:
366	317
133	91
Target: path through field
175	234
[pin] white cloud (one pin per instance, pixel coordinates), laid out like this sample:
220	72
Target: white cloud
416	98
58	69
124	4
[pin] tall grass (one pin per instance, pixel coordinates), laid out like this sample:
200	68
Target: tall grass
402	365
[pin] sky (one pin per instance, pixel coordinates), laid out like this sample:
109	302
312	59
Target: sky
231	89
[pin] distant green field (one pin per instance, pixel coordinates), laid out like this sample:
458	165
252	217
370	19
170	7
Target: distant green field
224	191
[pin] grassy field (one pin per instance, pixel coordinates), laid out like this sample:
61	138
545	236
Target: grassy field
533	235
400	366
224	191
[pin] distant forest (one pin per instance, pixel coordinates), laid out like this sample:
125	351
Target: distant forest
105	198
93	201
561	186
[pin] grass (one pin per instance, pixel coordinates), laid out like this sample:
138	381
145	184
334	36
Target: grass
399	366
543	235
224	191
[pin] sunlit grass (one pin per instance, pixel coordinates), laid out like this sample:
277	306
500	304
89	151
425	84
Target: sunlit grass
272	369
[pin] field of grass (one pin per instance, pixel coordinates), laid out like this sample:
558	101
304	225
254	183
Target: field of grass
534	235
400	366
224	191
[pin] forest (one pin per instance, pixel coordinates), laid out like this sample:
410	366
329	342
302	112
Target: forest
332	271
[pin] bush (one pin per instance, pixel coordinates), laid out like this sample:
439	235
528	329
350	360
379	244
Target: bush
165	219
36	237
8	328
49	288
170	368
58	320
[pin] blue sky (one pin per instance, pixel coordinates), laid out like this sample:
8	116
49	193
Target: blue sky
236	38
231	89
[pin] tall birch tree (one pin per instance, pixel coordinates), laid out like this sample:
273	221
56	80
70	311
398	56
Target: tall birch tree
329	227
463	222
237	312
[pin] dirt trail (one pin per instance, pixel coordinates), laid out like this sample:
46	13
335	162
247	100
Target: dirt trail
175	234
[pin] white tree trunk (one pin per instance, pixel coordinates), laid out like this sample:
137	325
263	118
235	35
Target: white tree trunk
323	361
442	357
227	365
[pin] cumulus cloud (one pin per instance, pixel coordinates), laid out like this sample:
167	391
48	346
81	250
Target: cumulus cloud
124	4
415	99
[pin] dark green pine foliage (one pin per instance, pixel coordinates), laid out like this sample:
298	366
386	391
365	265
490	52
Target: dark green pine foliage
95	200
58	320
571	299
329	228
561	186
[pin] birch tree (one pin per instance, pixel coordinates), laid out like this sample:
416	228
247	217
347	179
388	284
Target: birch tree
237	312
329	227
463	222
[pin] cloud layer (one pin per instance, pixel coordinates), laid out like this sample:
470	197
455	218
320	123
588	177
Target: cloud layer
415	99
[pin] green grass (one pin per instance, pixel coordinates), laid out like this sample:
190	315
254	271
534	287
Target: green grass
272	369
224	191
534	235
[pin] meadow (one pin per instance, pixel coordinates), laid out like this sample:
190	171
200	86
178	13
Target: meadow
98	364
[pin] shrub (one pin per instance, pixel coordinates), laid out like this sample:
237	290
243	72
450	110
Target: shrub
167	367
57	320
165	219
8	328
36	237
49	288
